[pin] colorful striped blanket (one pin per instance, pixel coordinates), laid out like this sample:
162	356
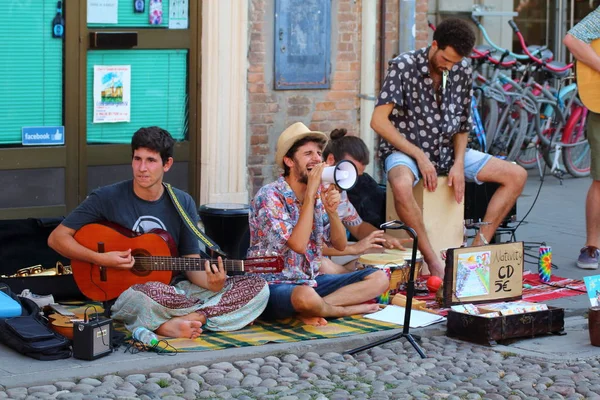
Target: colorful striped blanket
262	332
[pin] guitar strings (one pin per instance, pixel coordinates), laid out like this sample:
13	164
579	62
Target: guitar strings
189	263
184	262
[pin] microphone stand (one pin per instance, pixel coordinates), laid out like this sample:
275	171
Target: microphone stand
410	291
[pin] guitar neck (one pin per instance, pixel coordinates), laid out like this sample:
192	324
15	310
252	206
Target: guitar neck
163	263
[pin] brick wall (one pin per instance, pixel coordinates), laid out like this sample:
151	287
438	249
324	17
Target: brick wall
271	111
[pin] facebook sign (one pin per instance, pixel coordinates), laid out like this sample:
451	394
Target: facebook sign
43	135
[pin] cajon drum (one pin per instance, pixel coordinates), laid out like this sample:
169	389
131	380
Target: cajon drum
442	215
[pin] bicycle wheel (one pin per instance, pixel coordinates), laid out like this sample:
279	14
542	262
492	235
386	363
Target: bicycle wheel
511	135
577	159
517	136
529	154
489	115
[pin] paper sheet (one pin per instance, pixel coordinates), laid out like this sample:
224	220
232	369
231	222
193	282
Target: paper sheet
395	315
103	11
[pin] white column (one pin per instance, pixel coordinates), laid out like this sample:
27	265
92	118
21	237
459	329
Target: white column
367	77
223	159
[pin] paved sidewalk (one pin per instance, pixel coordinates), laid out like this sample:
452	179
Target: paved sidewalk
557	219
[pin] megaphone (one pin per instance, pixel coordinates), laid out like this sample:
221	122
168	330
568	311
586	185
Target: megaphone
344	174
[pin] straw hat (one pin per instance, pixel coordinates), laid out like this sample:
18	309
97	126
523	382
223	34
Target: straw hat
290	136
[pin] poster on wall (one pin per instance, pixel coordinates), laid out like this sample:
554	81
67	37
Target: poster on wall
102	11
178	14
112	93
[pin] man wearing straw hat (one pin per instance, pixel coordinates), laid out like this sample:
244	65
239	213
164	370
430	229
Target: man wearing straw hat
293	216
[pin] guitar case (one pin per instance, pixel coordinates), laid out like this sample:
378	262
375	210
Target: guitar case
23	243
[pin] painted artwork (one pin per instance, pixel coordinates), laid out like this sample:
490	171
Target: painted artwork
592	285
112	89
473	274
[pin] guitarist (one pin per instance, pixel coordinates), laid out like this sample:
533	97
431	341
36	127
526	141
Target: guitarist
578	41
200	299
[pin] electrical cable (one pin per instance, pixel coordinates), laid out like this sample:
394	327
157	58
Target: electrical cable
542	179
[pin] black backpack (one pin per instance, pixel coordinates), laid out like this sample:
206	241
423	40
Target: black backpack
28	335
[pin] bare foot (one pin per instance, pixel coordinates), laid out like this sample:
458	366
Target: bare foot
372	308
187	327
360	309
314	321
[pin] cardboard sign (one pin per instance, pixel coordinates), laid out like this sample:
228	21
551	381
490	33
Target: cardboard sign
483	274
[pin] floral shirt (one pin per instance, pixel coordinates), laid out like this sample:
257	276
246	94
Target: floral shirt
274	212
417	114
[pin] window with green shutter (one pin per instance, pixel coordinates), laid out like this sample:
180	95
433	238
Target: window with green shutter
158	93
128	18
31	70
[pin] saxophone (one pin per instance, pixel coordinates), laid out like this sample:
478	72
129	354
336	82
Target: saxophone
38	270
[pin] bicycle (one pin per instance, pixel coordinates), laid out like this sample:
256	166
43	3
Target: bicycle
563	140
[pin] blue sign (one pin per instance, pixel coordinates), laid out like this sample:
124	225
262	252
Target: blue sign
43	135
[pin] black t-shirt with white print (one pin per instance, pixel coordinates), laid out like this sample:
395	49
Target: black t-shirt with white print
118	203
417	114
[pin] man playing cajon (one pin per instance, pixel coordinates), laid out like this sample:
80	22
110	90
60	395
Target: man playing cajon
423	115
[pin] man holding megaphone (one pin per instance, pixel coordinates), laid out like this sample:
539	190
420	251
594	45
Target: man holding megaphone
347	149
294	217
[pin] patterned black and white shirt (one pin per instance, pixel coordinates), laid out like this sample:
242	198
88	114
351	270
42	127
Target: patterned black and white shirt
417	114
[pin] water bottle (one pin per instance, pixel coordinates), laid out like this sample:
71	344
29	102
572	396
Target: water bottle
145	336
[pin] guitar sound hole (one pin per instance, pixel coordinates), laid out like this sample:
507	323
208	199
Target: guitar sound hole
140	267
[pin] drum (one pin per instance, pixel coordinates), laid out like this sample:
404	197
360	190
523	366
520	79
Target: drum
389	263
406	255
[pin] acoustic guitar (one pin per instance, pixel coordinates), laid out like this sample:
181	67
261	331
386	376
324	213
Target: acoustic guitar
155	255
63	324
588	82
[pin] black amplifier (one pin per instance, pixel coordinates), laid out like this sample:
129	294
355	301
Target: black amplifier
91	339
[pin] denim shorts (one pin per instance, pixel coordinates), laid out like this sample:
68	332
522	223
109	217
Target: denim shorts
474	162
280	297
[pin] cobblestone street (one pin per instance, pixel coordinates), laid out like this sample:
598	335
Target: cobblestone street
453	370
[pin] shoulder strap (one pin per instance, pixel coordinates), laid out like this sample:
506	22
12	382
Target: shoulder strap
208	242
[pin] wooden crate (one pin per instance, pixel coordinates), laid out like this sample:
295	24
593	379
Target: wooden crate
504	329
505	264
442	215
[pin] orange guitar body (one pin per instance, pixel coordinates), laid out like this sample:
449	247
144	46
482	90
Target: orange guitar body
155	257
588	82
102	284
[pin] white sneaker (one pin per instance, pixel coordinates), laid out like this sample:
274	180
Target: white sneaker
41	301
